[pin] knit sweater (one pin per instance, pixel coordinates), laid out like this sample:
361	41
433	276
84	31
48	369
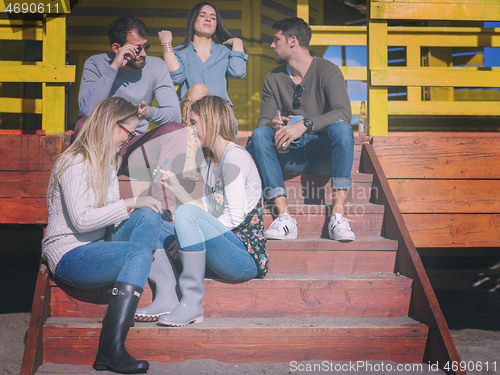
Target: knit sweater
101	81
324	99
74	219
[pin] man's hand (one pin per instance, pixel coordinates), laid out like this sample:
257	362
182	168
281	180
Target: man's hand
287	134
143	109
124	55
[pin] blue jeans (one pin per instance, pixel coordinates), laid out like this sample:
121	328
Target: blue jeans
127	258
227	256
330	151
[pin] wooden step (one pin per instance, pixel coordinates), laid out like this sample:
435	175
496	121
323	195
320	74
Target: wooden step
312	220
365	255
382	295
238	340
316	189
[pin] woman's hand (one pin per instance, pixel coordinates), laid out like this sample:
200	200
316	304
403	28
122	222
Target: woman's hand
235	43
143	109
173	249
149	202
165	36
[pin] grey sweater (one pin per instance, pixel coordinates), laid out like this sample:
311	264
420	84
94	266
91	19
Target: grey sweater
101	81
324	100
73	218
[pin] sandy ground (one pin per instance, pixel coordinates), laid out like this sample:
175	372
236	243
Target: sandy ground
473	345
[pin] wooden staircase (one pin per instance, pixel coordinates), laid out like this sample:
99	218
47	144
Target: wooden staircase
322	300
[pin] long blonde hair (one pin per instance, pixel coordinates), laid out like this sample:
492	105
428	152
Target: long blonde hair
219	119
95	143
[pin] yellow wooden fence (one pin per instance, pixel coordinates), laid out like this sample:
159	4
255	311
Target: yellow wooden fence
52	71
378	36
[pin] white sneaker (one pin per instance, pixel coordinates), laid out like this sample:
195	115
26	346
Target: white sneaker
339	229
284	227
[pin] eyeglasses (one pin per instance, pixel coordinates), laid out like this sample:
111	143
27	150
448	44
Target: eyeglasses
129	133
297	96
145	47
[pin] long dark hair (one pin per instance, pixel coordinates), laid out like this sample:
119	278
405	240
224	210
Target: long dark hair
221	32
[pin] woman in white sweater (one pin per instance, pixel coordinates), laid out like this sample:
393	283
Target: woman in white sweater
224	230
84	204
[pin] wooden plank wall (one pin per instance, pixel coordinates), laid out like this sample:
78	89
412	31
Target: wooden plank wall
446	185
252	20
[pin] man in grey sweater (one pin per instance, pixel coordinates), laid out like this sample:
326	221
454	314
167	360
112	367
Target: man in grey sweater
128	72
311	95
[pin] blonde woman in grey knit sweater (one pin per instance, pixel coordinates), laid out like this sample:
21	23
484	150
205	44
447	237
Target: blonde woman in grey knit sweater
84	200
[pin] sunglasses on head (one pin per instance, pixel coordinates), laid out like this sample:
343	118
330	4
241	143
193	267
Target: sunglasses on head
297	96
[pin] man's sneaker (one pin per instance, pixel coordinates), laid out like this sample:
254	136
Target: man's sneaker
339	229
284	227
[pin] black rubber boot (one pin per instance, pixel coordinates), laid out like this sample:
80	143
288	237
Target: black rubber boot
112	355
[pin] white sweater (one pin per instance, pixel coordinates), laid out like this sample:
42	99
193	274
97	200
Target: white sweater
73	218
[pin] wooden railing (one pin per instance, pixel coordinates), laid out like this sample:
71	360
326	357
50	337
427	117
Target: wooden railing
52	71
378	37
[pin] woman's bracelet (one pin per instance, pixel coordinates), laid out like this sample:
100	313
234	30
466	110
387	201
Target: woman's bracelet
167	47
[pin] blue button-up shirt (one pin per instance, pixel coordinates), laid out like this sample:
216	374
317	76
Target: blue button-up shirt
213	73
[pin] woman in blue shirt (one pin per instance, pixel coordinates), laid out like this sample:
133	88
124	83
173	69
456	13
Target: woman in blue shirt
209	54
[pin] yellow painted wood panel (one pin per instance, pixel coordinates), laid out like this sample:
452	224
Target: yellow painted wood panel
271	13
409	36
54	94
443	38
475	2
152	22
445	108
457	77
18	63
377	96
354	73
338	39
34	73
478	95
303	9
24	23
446	196
468	59
154	4
435	11
413	60
20	105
